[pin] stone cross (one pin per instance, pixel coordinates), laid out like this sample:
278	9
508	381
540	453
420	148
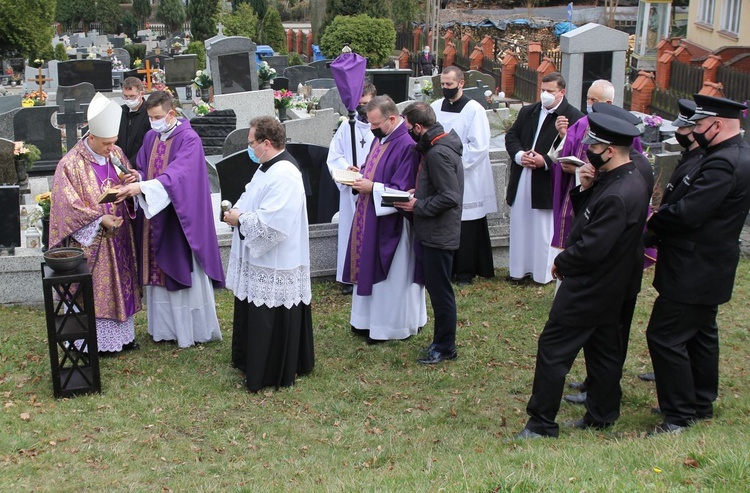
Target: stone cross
40	79
70	120
148	71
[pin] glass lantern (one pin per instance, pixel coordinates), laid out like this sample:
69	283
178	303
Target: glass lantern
652	25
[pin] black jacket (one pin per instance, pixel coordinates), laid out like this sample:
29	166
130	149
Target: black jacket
439	190
133	127
602	249
521	136
426	64
699	225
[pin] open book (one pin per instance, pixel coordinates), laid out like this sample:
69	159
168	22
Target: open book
390	196
109	195
571	160
344	176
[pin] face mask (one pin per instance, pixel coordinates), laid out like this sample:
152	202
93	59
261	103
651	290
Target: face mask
378	133
595	159
547	99
701	138
132	103
589	109
252	156
361	113
684	140
450	93
414	135
160	126
426	52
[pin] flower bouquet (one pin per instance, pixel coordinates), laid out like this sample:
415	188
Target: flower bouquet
653	121
34	98
265	72
26	152
282	99
117	64
159	80
203	79
426	87
203	108
38	62
138	63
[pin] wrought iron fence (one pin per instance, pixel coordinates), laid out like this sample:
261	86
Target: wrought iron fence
685	79
525	83
736	84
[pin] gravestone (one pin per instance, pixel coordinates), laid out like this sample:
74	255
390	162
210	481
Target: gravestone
8	173
81	94
6	123
71	119
117	42
477	94
157	61
279	83
231	61
593	52
214	128
53	75
30	76
180	70
96	72
437	89
393	82
11	102
279	63
332	99
317	129
323	67
235	141
122	55
34	125
472	76
246	105
321	83
10	220
85	41
299	74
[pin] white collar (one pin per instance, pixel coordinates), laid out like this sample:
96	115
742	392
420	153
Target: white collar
99	160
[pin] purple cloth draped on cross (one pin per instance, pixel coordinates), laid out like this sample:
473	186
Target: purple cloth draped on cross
349	74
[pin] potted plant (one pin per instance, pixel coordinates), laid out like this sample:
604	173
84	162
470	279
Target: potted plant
281	101
25	155
203	83
652	124
266	74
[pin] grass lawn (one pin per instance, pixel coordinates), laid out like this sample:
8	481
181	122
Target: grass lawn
367	418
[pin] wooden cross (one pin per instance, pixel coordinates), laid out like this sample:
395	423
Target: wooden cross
148	71
40	79
110	51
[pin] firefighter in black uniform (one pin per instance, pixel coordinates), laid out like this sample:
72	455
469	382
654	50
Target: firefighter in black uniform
602	250
698	228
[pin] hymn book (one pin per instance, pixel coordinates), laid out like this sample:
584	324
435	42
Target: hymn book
109	195
390	196
344	176
571	160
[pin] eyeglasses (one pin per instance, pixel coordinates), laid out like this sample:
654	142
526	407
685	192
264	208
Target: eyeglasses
254	143
130	98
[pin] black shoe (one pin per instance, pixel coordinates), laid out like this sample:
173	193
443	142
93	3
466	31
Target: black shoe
434	357
579	386
371	342
647	377
582	424
360	332
576	398
347	289
656	410
667	429
427	350
527	434
463	282
131	346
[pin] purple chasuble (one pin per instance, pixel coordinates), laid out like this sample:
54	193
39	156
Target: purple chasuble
186	226
373	240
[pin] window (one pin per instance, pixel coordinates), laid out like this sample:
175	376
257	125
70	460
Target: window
730	18
706	12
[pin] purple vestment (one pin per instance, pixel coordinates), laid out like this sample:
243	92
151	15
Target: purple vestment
373	240
186	226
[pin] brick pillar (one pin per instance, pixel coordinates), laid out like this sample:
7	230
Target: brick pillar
290	40
715	89
507	77
298	45
449	36
475	59
488	47
415	36
309	46
465	44
664	46
682	55
404	58
546	67
643	87
711	68
449	54
535	54
664	69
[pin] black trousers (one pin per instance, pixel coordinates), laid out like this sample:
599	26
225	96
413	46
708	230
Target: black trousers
437	264
684	344
558	347
474	255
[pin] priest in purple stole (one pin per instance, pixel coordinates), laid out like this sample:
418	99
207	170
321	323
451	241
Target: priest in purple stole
104	231
180	259
388	301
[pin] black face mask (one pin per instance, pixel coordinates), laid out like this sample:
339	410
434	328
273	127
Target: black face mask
414	135
450	93
361	113
684	140
378	133
595	159
701	138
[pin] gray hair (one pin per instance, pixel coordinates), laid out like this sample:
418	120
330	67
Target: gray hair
606	87
383	103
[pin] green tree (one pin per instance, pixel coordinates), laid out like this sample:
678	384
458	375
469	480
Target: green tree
243	22
259	6
142	10
75	12
373	8
272	31
202	15
404	13
109	13
198	48
374	39
129	24
60	53
171	13
25	26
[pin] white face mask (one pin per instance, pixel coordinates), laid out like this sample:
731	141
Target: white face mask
589	108
160	125
547	99
132	103
426	52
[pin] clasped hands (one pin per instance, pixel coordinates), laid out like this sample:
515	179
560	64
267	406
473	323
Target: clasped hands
532	159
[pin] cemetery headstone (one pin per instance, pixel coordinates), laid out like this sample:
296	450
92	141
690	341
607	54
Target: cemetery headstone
214	128
393	82
279	83
71	119
477	94
10	102
246	105
317	129
299	74
10	220
321	83
277	62
231	61
332	99
122	55
323	67
180	70
33	75
6	123
81	94
117	42
96	72
34	125
8	173
235	141
158	61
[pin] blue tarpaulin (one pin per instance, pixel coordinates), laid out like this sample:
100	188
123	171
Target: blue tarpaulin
563	27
